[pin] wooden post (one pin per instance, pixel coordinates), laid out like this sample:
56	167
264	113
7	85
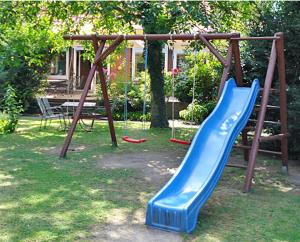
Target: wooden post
237	61
283	98
261	118
105	96
239	80
226	70
80	106
71	70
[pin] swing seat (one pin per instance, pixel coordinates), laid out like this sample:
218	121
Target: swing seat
134	141
179	141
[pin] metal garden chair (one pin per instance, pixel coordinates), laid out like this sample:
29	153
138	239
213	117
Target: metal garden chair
50	113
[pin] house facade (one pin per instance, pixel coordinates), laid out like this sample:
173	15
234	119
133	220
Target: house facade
69	70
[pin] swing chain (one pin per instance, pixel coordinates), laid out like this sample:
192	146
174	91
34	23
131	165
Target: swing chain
194	84
126	89
126	138
173	136
145	84
173	88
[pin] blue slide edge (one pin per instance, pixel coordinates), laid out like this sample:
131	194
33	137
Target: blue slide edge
187	217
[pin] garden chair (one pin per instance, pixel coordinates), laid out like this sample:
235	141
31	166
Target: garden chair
50	113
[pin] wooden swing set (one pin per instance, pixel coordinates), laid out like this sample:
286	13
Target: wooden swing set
233	54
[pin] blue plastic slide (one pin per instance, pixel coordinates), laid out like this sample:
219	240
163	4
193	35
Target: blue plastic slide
177	205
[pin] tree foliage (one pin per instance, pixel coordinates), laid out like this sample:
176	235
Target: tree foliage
278	17
27	44
206	70
12	109
159	18
52	19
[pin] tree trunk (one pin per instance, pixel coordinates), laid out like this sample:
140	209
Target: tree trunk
158	105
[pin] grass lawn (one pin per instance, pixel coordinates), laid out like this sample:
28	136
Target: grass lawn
44	198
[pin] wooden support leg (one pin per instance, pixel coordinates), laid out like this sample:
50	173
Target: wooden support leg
283	98
107	105
261	117
80	106
226	70
106	98
237	61
239	80
245	143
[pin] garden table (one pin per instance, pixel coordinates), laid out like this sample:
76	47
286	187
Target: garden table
87	113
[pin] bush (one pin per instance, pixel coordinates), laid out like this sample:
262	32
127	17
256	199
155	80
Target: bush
133	116
11	112
25	54
135	92
294	120
197	113
207	77
168	84
4	124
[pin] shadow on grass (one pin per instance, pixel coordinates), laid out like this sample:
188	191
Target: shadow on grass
43	198
51	201
97	141
270	212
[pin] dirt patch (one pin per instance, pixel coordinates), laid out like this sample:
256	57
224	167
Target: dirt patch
294	176
126	227
55	150
155	168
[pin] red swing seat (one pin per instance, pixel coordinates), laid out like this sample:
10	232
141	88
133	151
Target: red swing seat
179	141
134	141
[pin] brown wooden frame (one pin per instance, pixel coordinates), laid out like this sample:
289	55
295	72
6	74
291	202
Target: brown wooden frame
233	53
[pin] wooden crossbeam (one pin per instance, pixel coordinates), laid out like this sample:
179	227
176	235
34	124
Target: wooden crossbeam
259	150
213	50
152	36
272	137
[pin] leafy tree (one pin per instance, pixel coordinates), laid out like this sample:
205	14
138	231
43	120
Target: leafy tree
119	17
161	18
116	17
25	60
170	17
27	44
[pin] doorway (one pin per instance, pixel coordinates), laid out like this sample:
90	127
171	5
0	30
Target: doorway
82	70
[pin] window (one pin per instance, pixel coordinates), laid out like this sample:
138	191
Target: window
58	65
139	62
180	60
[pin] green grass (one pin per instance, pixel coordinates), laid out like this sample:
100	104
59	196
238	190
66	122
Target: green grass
44	198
